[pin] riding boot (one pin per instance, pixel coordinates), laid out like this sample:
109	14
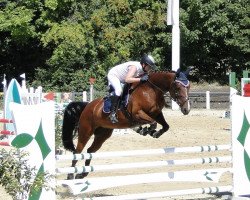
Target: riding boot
114	103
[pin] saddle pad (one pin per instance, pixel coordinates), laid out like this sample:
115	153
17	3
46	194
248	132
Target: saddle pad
106	105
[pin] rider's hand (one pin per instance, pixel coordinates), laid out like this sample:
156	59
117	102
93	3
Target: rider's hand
144	78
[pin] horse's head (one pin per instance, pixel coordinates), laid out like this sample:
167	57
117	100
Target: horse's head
179	91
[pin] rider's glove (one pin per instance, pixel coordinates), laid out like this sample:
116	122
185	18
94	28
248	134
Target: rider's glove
144	78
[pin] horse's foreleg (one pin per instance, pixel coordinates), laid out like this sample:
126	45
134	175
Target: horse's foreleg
101	135
152	127
161	120
148	130
142	116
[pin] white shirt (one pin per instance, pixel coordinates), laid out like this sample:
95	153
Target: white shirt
121	70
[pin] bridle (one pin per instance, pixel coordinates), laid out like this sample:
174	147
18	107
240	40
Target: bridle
176	92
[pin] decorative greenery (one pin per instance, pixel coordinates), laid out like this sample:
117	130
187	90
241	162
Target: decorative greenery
16	176
58	130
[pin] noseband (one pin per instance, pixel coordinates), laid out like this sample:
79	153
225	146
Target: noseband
176	92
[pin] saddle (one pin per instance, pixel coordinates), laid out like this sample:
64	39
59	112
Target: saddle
123	102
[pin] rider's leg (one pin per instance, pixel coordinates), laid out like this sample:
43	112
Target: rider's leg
115	82
114	103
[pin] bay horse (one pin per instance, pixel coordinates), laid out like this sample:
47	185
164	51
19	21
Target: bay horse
144	106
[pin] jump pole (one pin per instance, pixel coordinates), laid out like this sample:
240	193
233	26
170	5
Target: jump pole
208	190
79	186
144	164
166	150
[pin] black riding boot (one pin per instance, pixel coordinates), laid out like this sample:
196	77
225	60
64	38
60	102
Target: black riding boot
114	102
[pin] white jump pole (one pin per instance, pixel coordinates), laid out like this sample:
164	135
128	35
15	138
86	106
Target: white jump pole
207	190
80	186
166	150
137	165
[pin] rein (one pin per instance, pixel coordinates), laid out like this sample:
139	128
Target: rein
156	86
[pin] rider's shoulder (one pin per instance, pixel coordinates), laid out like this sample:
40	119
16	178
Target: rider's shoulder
133	63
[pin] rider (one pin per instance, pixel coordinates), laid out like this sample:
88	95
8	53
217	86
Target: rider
128	72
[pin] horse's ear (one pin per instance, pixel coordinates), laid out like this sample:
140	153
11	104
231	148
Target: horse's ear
189	69
178	72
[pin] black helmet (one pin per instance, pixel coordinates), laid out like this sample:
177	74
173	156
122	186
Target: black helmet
149	60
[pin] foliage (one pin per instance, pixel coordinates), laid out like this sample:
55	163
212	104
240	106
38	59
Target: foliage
61	44
217	37
58	130
16	176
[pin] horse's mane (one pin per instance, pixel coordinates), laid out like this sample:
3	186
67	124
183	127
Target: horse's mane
165	71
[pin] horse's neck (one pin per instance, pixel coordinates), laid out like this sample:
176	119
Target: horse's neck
162	80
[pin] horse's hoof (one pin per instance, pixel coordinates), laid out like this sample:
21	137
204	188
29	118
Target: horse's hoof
144	131
70	176
137	130
79	176
157	134
152	132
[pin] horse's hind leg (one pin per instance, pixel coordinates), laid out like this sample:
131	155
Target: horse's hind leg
83	138
101	135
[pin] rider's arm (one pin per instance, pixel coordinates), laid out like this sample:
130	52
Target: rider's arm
130	75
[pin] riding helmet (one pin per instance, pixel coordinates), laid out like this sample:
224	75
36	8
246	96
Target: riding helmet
149	60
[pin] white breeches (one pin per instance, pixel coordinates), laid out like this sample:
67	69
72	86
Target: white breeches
116	83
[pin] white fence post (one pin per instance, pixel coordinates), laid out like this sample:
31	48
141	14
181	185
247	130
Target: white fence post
84	96
208	100
91	92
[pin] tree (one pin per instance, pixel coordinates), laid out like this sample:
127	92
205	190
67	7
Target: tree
61	44
214	35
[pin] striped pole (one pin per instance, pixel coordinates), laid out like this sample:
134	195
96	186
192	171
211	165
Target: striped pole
4	143
6	121
143	165
79	186
6	132
207	190
143	152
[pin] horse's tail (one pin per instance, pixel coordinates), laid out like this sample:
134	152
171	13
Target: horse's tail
71	118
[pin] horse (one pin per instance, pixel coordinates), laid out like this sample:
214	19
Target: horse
145	105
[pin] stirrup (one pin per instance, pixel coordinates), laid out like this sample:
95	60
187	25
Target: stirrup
113	118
